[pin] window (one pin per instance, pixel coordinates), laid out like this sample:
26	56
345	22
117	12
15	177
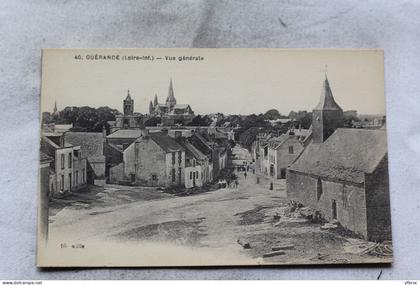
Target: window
83	175
265	151
179	175
291	149
70	181
63	158
76	178
193	163
62	183
173	158
191	174
173	175
70	160
344	197
319	189
179	157
196	174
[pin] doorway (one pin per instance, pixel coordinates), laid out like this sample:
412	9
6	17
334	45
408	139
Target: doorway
334	210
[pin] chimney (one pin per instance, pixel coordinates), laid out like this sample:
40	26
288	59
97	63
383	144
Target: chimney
62	140
104	132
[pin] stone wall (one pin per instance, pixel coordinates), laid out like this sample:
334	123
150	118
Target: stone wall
283	158
349	199
145	160
378	203
116	173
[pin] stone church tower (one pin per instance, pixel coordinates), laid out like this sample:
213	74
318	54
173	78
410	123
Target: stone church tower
128	105
327	116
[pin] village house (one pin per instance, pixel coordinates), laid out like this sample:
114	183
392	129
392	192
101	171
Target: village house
44	189
92	148
114	146
68	168
216	151
153	159
343	173
282	151
198	171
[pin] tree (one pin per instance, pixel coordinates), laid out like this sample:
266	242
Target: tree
199	120
272	114
86	118
153	122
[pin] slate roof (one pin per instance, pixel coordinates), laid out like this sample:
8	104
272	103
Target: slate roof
191	151
201	144
167	143
125	134
53	144
327	101
43	157
91	144
194	151
346	155
181	106
276	142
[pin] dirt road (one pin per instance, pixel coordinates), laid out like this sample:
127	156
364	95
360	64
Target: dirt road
213	221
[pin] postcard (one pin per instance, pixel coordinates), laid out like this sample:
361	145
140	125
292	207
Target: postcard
212	157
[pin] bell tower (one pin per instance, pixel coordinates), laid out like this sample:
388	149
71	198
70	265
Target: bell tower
327	116
128	105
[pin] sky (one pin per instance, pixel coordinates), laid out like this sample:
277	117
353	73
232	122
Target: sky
230	81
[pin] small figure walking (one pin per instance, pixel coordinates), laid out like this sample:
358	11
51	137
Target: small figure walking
236	183
245	175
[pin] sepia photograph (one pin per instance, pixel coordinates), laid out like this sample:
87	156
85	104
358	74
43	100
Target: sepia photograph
213	157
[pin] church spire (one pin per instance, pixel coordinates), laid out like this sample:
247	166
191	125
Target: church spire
55	107
327	101
170	100
327	116
128	105
128	98
155	102
151	108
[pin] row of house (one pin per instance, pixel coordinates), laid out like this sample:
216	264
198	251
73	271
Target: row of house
76	160
274	154
67	170
164	157
340	173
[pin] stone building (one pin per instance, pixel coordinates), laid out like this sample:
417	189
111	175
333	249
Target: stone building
153	159
68	168
282	151
92	148
44	189
215	151
114	146
170	112
343	173
198	171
